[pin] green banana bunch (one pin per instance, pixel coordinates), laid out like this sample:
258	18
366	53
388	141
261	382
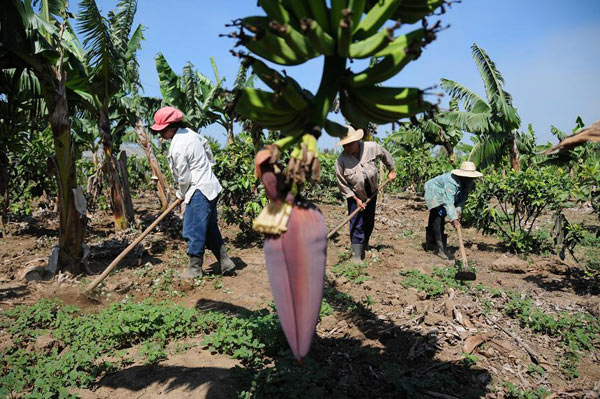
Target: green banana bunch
294	31
268	110
287	87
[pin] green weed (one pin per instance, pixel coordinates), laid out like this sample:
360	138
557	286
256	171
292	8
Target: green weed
516	393
577	332
435	285
326	309
95	336
353	272
469	360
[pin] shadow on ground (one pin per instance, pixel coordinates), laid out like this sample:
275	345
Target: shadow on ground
575	280
170	381
399	364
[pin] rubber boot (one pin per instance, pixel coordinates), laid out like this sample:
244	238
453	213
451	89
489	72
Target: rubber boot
357	253
225	262
194	269
441	250
430	244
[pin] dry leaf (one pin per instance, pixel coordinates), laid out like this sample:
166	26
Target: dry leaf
474	341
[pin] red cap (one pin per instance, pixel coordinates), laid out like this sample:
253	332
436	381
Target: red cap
165	116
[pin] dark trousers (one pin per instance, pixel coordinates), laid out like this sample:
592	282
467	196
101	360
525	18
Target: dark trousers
200	228
435	228
361	225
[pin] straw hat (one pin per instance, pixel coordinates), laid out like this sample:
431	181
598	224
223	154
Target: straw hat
351	135
467	169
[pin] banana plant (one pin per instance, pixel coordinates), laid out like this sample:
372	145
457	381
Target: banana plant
201	100
495	122
193	93
22	110
291	33
131	111
110	46
41	41
434	131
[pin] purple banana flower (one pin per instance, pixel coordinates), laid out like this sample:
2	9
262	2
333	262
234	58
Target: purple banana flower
296	266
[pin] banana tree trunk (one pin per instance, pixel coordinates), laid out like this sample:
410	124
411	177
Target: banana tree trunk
126	191
3	191
447	146
255	133
514	153
111	166
71	221
161	182
450	152
94	182
230	136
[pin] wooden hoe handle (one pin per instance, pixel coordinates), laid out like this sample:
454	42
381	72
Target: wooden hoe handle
350	216
119	258
461	245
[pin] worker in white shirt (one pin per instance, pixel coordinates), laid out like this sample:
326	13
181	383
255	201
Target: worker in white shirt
190	161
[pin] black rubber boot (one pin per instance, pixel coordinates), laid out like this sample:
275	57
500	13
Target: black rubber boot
430	244
194	269
357	253
225	261
441	250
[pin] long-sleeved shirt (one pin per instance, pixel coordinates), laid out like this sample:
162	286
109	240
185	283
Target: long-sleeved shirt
352	173
190	161
446	190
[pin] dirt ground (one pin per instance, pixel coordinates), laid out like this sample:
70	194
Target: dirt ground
391	320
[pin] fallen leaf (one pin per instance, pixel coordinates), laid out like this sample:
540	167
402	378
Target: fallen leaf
474	341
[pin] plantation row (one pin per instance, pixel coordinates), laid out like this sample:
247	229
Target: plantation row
504	202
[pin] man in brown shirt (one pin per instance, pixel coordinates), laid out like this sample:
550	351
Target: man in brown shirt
356	172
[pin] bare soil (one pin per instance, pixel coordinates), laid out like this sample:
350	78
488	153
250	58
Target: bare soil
389	321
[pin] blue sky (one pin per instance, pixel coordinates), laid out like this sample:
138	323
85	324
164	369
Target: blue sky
547	51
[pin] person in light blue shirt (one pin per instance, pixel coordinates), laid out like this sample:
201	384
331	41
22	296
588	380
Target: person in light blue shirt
445	195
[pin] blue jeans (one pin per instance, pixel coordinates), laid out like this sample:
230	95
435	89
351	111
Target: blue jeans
200	228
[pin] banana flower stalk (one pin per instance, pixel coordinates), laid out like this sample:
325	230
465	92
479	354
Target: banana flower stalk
296	242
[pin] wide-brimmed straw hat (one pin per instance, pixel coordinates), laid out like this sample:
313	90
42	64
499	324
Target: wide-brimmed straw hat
351	135
467	169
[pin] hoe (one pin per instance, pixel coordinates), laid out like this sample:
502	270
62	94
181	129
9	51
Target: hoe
119	258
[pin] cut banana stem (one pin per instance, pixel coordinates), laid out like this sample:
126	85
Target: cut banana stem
295	263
